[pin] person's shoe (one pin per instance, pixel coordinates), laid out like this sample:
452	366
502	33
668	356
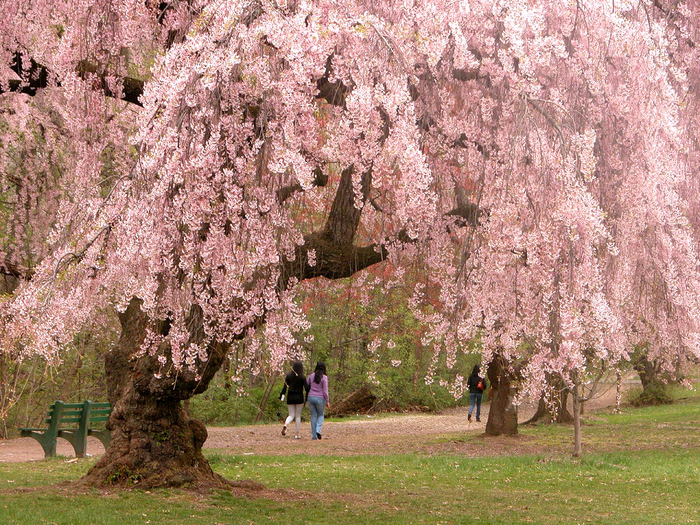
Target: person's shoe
478	420
318	435
469	417
297	437
284	430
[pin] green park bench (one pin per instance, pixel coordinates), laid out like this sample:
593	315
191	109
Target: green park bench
73	422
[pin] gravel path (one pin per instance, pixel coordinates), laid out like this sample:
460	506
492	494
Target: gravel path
381	434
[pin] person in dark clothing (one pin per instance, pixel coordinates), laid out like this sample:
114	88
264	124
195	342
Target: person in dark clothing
296	388
476	385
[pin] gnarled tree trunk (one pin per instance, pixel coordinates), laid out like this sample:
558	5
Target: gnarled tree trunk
154	442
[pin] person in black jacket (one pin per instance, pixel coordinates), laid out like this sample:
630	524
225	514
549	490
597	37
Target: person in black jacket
296	389
476	385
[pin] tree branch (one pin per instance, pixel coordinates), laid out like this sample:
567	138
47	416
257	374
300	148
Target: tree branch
334	260
132	88
332	92
320	180
32	76
344	217
70	257
14	270
35	76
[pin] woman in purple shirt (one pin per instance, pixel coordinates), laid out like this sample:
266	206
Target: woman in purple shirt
318	398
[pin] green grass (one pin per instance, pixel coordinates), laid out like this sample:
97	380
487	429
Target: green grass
616	488
640	467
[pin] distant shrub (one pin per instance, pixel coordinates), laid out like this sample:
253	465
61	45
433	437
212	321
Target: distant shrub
219	406
655	393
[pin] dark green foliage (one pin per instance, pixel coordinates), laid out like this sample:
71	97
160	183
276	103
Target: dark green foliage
222	406
654	393
344	333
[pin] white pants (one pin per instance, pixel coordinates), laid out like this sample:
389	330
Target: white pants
294	414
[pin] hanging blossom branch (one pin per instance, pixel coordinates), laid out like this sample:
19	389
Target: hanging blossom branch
33	76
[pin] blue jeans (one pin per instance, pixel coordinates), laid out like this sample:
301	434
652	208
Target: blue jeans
317	405
475	399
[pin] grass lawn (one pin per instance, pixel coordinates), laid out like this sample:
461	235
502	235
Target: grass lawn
639	467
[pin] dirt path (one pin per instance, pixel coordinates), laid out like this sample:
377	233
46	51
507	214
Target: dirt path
371	435
419	433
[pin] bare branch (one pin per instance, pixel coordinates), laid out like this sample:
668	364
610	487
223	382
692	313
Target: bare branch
552	123
32	76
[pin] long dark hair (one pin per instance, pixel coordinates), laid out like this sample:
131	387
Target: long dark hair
319	372
476	370
298	368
